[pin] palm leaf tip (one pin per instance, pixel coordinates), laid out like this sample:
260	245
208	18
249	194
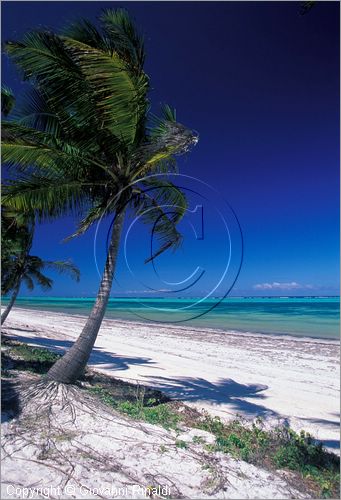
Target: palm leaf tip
305	7
176	139
43	281
64	267
166	134
162	205
168	113
123	36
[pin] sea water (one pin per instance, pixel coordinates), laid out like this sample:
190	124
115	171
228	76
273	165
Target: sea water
317	317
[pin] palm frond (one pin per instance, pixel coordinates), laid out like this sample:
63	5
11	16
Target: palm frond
48	197
123	37
86	32
82	81
35	112
166	132
166	138
47	63
117	95
94	214
27	155
63	267
25	146
43	281
168	114
7	100
120	39
28	282
162	205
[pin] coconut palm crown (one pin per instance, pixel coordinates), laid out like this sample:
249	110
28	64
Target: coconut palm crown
85	141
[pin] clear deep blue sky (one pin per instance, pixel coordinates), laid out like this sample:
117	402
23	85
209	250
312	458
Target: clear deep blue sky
260	84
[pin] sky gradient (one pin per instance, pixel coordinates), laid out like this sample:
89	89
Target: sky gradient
260	84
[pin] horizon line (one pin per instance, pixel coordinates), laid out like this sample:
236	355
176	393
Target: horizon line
178	297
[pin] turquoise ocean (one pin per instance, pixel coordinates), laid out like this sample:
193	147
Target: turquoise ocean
317	317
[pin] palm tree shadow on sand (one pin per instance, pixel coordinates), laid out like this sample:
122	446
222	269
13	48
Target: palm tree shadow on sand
225	391
191	389
98	356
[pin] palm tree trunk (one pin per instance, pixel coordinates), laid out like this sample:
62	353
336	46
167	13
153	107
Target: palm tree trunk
71	366
11	302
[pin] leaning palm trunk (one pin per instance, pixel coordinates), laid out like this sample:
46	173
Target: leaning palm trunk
92	140
71	366
11	302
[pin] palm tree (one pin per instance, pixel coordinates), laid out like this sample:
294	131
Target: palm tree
15	238
30	271
85	141
18	266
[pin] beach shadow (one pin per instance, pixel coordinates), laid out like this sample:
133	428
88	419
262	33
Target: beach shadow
98	356
323	422
225	391
330	443
117	362
10	407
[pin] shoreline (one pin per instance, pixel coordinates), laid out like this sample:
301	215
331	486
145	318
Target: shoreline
280	378
179	326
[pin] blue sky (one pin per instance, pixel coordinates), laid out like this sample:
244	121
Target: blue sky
260	84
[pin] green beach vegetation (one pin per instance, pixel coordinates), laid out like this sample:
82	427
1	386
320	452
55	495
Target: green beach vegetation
85	142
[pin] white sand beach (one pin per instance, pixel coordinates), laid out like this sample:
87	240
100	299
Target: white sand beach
277	378
78	448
